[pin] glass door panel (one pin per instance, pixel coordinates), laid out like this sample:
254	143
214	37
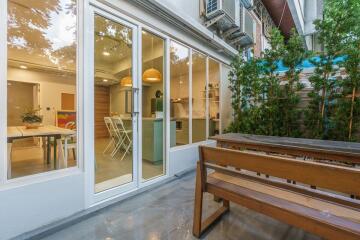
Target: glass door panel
153	123
113	130
179	93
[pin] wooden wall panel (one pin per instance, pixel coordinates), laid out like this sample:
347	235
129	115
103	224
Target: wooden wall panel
102	109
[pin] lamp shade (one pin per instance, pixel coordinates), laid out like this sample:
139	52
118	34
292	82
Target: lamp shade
126	81
152	75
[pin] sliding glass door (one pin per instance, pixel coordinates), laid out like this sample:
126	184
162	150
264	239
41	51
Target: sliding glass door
153	89
114	117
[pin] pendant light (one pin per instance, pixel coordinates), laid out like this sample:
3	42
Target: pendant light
152	75
126	81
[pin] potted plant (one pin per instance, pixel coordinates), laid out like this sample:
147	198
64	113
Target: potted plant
32	119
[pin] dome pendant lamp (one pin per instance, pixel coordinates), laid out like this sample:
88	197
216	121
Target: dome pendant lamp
126	81
152	75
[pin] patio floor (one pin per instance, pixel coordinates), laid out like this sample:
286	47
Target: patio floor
167	212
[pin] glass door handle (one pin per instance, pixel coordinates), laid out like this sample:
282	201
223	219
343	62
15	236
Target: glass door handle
133	94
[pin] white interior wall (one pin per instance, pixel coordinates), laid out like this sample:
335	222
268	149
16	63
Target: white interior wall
51	87
198	87
180	90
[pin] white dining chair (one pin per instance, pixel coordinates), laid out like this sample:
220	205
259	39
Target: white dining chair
113	138
124	136
70	142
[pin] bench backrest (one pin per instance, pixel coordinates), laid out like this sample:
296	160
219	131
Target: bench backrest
336	178
301	151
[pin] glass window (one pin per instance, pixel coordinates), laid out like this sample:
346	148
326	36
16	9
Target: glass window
214	97
41	100
179	94
112	102
153	163
199	97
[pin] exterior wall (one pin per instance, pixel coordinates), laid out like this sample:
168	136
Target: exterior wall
37	204
191	8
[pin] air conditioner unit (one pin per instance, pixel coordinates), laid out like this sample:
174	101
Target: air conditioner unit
228	8
246	34
248	4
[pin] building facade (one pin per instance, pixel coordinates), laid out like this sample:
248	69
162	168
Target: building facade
104	99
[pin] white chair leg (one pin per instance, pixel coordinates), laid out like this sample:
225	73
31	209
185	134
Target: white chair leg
111	142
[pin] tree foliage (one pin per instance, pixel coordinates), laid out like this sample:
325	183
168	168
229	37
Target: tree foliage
263	102
267	103
333	111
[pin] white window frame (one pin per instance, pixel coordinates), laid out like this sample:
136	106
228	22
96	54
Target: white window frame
53	174
207	104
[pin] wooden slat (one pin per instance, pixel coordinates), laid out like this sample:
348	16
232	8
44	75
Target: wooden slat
321	154
330	227
304	200
330	177
102	109
314	193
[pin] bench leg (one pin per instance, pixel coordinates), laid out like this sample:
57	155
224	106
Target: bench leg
200	226
198	204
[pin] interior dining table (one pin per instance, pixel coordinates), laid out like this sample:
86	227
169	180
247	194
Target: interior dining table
48	131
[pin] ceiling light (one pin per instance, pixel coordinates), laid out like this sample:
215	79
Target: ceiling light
105	80
106	53
23	67
152	75
126	82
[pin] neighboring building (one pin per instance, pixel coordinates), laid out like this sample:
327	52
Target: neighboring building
304	13
126	90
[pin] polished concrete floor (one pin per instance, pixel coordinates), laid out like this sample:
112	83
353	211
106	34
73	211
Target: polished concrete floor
167	212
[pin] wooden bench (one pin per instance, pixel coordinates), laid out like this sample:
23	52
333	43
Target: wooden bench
325	213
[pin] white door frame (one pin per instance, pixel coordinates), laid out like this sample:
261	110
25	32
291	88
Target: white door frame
89	111
92	198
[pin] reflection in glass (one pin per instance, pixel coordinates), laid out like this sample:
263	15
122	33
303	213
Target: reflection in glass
112	101
179	92
199	97
41	99
153	163
214	97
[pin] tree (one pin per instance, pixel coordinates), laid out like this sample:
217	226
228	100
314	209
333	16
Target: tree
246	88
330	111
329	30
294	55
270	109
346	118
